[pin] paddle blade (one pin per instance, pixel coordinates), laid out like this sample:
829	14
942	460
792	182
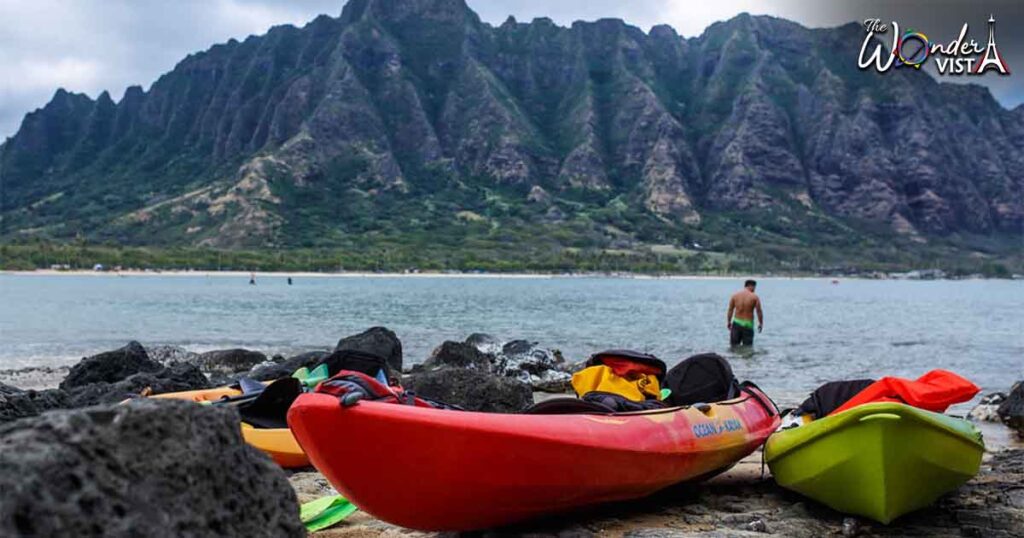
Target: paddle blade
318	374
325	512
250	386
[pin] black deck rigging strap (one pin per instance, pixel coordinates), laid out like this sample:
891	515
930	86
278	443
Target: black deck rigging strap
773	410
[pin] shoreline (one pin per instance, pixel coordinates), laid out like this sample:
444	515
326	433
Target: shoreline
454	275
369	274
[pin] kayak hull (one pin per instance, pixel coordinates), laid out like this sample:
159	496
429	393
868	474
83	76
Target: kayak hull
437	470
202	395
878	460
278	443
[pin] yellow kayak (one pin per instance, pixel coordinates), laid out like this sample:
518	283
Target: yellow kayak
200	396
878	460
278	443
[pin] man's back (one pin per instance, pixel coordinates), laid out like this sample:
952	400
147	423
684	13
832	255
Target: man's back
744	302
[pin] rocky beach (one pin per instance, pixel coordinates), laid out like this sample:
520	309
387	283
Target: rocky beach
76	461
351	268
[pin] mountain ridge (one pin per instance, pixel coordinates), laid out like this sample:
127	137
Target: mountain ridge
399	116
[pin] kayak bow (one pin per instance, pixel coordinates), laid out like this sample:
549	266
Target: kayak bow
879	460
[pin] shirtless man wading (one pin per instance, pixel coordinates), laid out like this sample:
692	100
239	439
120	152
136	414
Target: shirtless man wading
740	318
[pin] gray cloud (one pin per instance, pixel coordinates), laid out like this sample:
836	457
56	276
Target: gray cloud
94	45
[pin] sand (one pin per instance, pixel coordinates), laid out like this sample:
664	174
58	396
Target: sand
742	503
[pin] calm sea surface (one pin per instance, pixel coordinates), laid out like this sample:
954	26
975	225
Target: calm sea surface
815	331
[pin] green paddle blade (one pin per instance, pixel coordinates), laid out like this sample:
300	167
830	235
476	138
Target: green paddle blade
301	374
320	373
313	508
665	393
325	512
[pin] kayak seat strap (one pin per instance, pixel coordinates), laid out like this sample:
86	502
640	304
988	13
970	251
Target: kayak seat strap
567	406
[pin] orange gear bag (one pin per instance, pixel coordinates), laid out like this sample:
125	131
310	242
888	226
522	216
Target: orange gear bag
934	391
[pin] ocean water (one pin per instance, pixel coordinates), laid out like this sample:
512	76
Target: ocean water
815	331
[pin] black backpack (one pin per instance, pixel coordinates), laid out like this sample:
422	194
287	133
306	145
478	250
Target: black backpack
357	361
270	408
704	378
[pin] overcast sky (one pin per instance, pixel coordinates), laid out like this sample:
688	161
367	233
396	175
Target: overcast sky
94	45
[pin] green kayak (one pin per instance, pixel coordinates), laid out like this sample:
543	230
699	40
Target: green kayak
877	460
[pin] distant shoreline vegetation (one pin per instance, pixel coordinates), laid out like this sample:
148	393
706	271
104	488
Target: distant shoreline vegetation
511	258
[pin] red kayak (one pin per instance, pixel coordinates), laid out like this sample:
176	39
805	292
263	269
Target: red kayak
442	470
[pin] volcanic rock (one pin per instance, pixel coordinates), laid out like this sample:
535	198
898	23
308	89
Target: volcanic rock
150	468
525	361
379	341
472	389
168	355
987	409
176	378
1011	411
458	355
485	343
31	403
230	361
110	367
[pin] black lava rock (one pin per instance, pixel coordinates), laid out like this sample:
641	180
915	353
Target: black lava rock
150	468
518	347
230	361
377	340
179	377
31	403
168	355
458	355
987	409
1011	411
110	367
8	389
484	342
526	361
473	390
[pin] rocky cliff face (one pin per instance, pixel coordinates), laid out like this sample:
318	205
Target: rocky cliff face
414	100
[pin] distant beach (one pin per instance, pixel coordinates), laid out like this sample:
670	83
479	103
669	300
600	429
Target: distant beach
370	274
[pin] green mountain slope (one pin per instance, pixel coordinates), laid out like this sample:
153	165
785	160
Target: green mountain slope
410	124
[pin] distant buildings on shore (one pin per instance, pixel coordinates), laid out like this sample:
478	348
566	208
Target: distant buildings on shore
921	274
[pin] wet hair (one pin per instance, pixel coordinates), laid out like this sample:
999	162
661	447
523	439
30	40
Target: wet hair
750	284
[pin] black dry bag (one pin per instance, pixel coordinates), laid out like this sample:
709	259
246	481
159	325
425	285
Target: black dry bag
704	378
